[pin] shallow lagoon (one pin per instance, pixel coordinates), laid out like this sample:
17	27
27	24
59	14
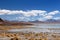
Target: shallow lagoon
38	28
57	25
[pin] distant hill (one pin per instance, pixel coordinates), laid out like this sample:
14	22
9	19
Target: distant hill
36	21
5	22
1	20
47	21
51	20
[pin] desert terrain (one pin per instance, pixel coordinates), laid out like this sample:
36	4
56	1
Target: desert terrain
8	35
28	31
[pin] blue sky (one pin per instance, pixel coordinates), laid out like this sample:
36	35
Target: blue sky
29	10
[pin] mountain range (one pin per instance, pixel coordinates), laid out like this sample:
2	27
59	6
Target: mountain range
46	21
7	22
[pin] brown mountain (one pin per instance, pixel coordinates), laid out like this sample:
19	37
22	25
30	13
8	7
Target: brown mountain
5	22
1	20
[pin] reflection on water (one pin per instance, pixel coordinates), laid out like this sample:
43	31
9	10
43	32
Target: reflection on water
38	28
29	30
46	25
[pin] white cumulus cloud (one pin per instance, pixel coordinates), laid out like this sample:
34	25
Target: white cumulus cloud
28	13
56	18
25	13
53	12
48	17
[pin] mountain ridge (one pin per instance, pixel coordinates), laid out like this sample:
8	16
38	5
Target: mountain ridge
7	22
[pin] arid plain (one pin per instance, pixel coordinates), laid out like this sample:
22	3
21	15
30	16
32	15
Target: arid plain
28	34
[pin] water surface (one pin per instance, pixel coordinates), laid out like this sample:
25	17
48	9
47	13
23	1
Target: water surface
38	28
